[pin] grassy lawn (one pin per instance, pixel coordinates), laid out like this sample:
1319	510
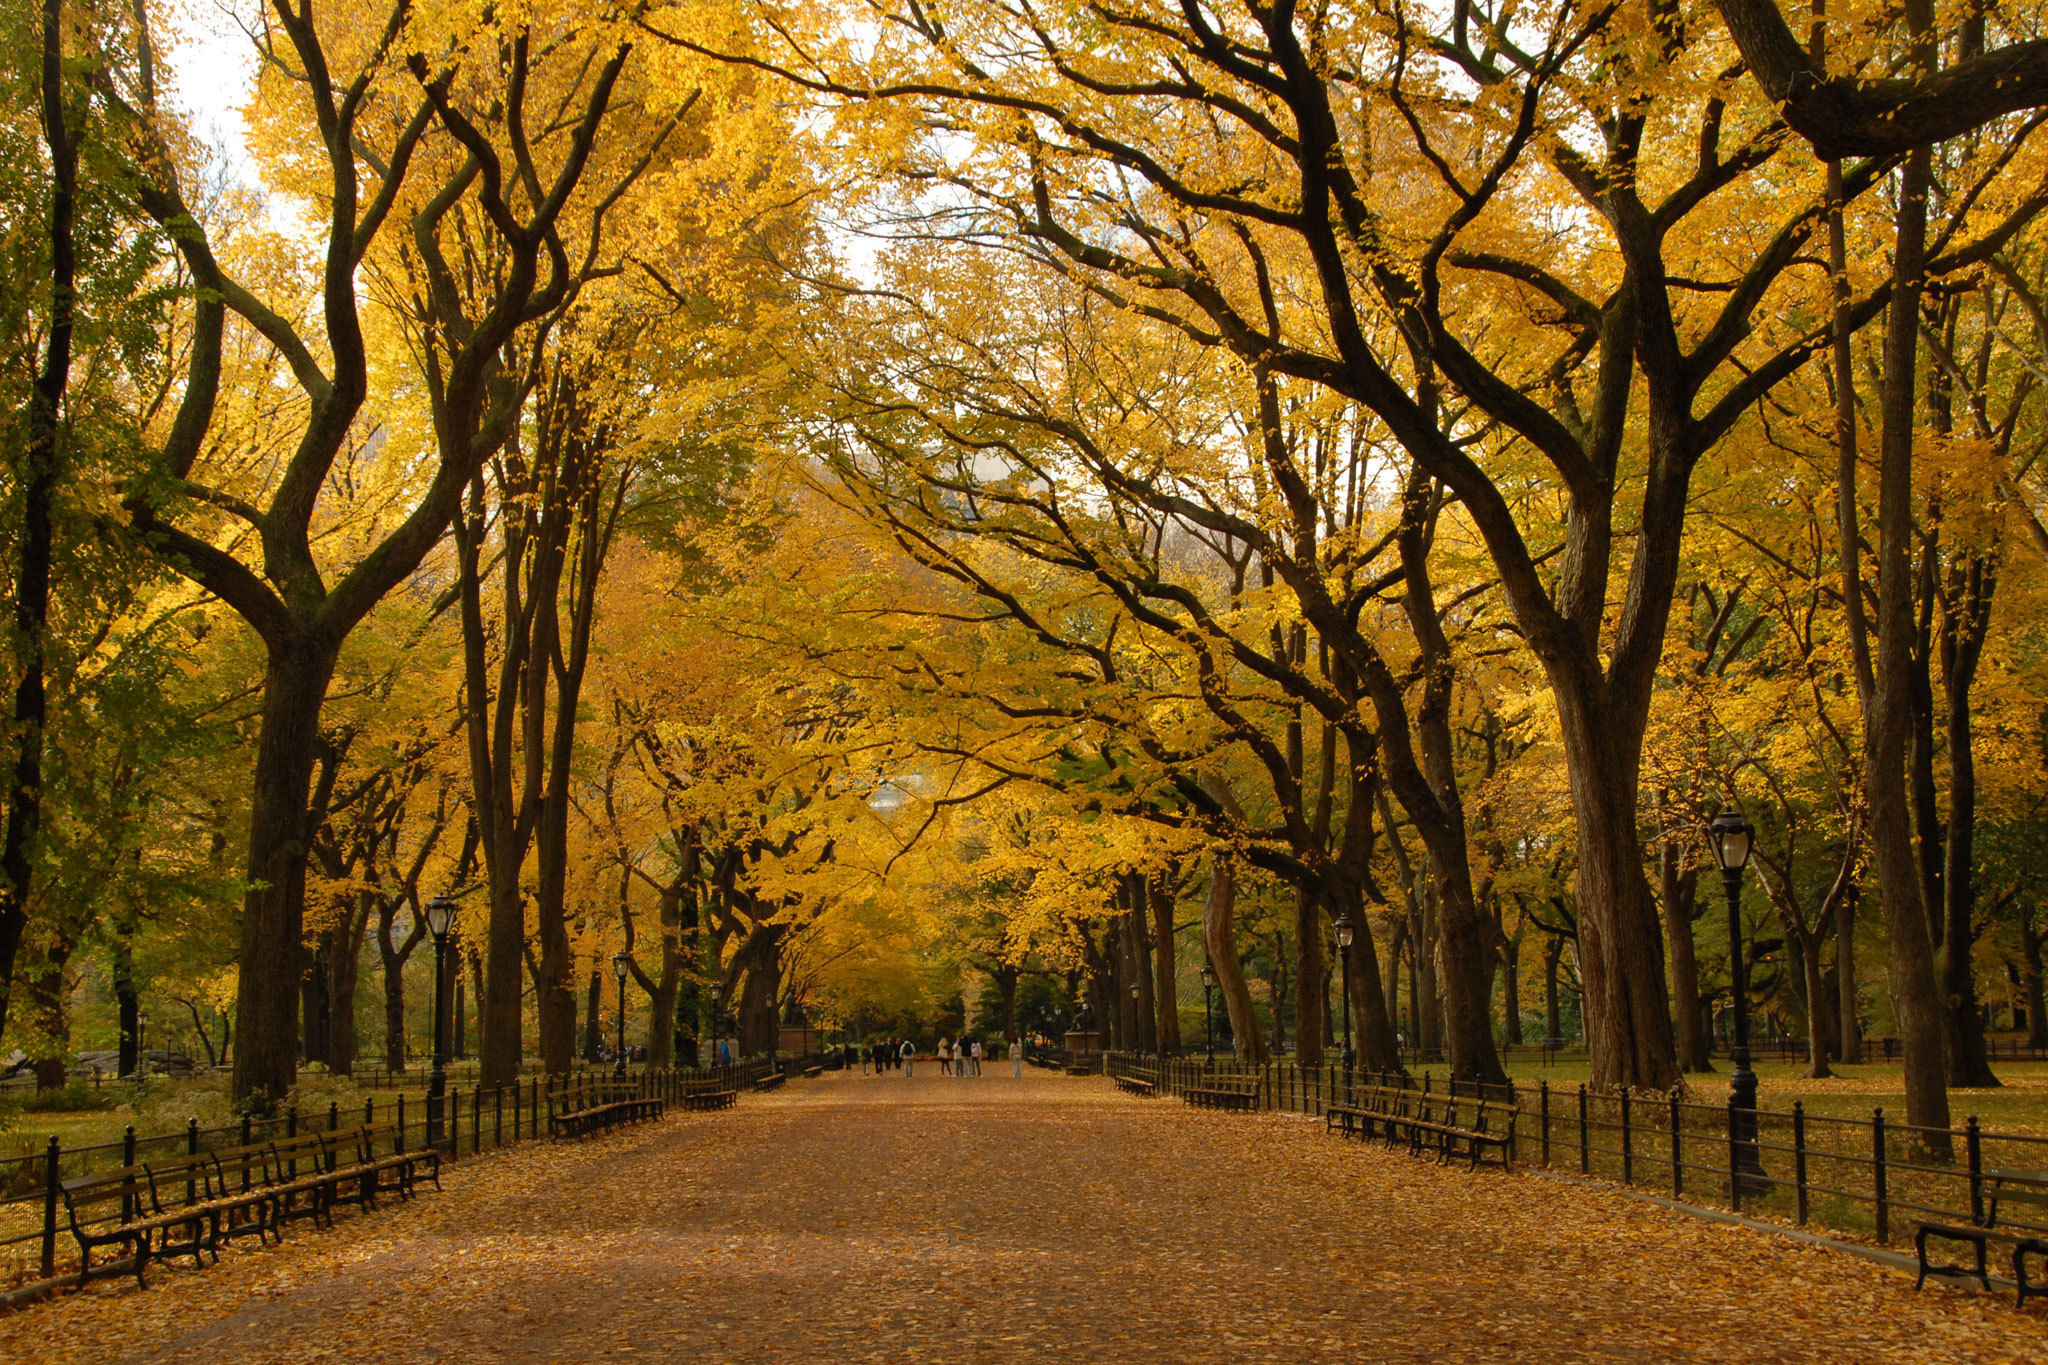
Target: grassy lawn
2019	1105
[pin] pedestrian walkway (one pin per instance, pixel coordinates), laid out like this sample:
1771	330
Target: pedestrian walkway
881	1219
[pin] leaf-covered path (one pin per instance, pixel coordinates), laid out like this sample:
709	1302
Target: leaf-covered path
879	1219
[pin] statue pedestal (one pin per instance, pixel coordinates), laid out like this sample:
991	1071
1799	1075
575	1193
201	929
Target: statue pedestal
796	1039
1084	1040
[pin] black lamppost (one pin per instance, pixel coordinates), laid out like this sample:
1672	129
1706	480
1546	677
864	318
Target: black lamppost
621	963
1345	929
1730	836
1137	1022
141	1037
440	911
1209	1009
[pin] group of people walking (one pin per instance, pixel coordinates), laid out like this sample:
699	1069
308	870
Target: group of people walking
963	1058
882	1055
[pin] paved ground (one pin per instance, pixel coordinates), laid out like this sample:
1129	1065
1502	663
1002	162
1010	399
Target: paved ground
861	1219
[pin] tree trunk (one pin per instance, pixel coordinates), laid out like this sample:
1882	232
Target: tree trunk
36	477
1819	1023
314	1003
1165	988
1887	708
1552	951
127	1003
1219	936
1310	1027
2037	996
1680	888
1006	975
1511	988
341	1019
272	953
49	1012
393	956
1962	634
1625	1006
1138	929
1849	1029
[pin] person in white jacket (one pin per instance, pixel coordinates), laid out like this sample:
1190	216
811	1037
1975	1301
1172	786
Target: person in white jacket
1017	1057
909	1055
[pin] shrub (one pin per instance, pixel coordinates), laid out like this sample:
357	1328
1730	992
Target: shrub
71	1098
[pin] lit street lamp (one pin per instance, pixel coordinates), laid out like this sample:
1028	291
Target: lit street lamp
621	963
1209	1009
1730	836
1345	929
440	912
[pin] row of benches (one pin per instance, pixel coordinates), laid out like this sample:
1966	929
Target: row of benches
604	1109
1224	1092
191	1204
1450	1126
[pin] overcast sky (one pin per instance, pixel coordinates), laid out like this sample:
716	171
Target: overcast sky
213	64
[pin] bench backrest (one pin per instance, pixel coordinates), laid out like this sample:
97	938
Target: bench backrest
2028	1187
186	1179
371	1136
238	1169
108	1195
299	1156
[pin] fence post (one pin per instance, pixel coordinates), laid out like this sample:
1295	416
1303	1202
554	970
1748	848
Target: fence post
52	1157
401	1120
1973	1144
1543	1093
1628	1145
476	1120
498	1119
1799	1156
1884	1211
1677	1152
516	1106
1585	1154
370	1111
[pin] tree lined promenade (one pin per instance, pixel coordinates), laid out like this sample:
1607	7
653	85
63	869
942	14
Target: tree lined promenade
906	1219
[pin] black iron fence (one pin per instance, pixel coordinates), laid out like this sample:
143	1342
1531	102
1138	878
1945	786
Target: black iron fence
35	1236
1866	1177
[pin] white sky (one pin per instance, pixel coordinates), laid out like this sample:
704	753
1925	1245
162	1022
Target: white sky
212	64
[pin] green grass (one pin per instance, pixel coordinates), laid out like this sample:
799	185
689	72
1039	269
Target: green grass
2019	1105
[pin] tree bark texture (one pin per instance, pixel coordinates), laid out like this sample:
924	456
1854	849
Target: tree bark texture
1219	936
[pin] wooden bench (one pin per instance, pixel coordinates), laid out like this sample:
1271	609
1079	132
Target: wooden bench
2008	1186
1241	1098
1136	1085
1428	1121
404	1164
308	1180
241	1192
120	1208
769	1081
811	1073
603	1110
710	1099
